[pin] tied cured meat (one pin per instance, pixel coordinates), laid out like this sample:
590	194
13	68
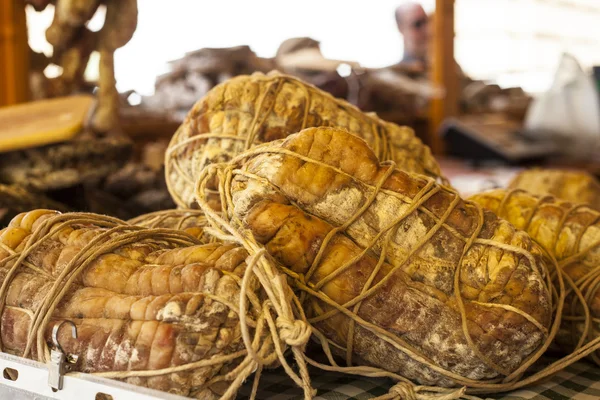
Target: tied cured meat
248	110
570	232
151	306
395	270
574	186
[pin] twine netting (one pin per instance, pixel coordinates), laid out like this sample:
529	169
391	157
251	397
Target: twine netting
319	108
569	185
190	221
581	293
228	223
267	326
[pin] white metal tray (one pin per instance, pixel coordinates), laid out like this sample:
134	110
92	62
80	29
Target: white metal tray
32	384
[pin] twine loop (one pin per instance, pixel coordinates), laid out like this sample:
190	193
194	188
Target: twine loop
580	292
404	391
228	223
263	342
386	139
293	332
407	391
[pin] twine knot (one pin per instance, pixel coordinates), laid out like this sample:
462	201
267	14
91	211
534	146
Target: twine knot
404	391
408	391
293	333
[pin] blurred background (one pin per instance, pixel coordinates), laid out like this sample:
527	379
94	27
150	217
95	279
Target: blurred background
509	42
491	86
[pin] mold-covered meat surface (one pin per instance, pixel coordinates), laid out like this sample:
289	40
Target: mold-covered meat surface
248	110
399	272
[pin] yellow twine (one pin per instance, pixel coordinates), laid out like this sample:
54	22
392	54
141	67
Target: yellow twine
379	134
226	221
263	348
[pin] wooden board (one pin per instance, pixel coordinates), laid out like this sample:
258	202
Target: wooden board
42	122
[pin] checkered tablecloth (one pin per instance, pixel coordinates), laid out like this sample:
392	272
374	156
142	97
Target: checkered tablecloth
580	381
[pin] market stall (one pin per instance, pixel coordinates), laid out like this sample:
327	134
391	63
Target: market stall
291	227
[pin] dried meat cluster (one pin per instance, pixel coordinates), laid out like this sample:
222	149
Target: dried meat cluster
152	307
570	232
389	269
395	270
574	186
248	110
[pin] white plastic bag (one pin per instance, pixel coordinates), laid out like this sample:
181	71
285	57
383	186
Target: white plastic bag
569	111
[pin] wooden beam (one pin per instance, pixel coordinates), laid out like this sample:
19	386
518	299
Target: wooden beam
14	53
443	71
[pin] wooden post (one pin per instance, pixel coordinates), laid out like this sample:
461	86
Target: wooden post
443	71
14	53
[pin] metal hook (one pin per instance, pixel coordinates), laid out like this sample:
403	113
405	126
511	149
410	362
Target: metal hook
57	328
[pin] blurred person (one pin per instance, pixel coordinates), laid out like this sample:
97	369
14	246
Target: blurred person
413	24
417	31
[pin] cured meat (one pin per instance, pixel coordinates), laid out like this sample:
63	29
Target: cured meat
248	110
397	271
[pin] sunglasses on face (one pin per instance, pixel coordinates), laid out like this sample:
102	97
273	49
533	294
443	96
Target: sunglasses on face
420	23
